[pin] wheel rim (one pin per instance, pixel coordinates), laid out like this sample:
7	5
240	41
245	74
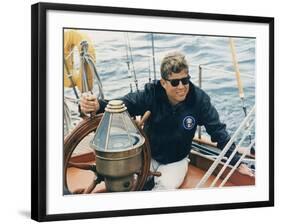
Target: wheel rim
83	129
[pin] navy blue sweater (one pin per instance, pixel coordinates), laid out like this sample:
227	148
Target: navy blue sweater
170	129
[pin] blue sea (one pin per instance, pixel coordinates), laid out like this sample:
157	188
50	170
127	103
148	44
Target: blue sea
211	52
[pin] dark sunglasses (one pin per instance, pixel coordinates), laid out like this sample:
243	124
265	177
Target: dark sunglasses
176	82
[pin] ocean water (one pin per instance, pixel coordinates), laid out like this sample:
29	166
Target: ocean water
211	52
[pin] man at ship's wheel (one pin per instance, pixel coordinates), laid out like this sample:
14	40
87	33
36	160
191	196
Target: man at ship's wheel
177	106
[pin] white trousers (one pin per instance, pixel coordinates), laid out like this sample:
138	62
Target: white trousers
172	174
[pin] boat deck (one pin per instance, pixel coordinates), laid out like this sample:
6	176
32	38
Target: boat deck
78	179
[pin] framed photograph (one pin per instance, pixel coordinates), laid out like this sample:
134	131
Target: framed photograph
140	111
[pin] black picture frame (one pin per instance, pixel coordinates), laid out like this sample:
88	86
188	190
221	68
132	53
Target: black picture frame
39	109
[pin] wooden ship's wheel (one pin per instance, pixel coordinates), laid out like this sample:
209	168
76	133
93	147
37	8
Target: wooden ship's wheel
87	126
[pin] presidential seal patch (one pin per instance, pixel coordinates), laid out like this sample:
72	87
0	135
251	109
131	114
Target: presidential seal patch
188	122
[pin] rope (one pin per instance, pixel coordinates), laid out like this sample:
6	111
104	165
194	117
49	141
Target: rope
70	54
69	75
128	61
237	164
131	56
153	55
231	156
96	75
223	152
208	67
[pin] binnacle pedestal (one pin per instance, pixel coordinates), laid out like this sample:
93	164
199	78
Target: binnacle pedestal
118	146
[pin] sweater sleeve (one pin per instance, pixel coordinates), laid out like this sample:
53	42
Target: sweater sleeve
139	102
103	104
209	117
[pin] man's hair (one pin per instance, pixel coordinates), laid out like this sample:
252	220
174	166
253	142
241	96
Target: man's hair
173	62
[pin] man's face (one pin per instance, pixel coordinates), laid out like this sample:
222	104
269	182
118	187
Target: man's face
176	94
